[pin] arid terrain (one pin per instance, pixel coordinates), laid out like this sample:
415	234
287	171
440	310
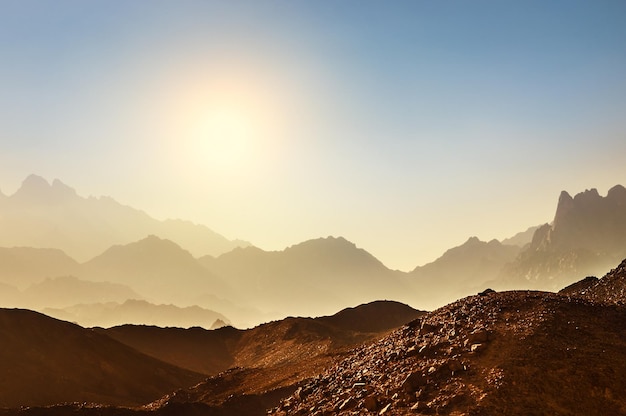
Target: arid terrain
494	353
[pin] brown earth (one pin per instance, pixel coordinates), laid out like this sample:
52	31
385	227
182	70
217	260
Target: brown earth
272	358
510	353
46	361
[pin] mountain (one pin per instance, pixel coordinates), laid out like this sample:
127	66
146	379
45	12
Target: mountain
276	343
511	353
157	268
310	278
44	215
522	238
461	270
136	312
46	361
10	296
587	236
23	266
64	291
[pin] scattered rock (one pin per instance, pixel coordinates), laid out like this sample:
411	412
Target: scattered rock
413	382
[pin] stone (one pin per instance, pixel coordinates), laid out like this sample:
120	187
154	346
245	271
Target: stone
478	336
477	348
348	404
455	365
371	403
413	382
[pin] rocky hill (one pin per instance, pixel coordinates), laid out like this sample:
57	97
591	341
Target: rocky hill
46	361
610	289
45	215
511	353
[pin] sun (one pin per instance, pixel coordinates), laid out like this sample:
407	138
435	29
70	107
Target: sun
224	137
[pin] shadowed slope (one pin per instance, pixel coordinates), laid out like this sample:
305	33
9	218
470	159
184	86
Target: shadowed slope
46	361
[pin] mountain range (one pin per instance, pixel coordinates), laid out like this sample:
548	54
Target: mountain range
248	285
44	215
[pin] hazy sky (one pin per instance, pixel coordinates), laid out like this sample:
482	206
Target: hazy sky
404	126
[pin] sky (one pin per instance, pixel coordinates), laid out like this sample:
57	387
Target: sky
404	126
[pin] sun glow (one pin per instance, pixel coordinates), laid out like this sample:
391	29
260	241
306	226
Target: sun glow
229	125
224	137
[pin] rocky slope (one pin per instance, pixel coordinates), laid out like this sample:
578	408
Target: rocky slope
513	353
610	289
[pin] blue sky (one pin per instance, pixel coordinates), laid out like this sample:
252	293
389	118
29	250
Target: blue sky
404	126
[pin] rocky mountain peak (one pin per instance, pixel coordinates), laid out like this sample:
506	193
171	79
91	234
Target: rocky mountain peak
37	190
617	195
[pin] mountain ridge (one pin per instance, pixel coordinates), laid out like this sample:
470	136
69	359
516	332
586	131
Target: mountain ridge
44	215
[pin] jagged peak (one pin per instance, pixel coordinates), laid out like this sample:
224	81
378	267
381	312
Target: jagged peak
588	195
565	196
33	182
37	189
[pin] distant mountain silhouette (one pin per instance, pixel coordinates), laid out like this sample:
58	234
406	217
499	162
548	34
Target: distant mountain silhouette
66	291
461	270
44	215
522	238
46	361
23	266
10	296
136	312
158	269
310	278
587	236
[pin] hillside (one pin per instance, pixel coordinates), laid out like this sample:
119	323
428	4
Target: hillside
45	215
511	353
267	345
610	289
46	361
